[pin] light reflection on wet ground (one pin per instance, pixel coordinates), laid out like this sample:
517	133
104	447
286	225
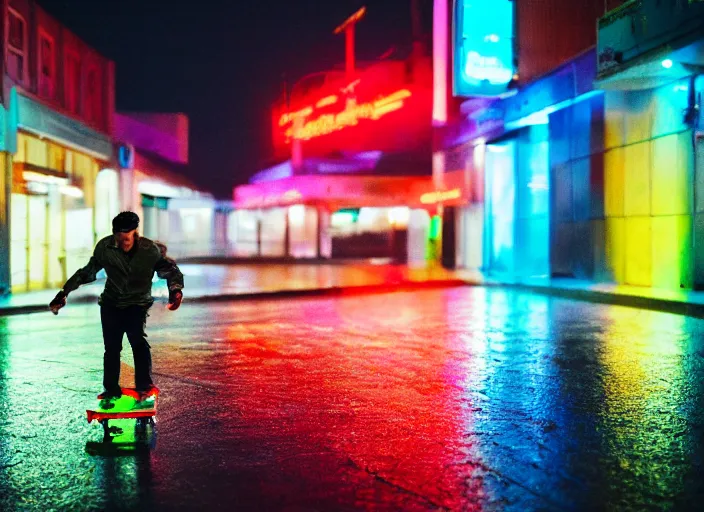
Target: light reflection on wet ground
464	399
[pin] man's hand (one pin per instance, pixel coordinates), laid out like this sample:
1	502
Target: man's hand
175	298
58	302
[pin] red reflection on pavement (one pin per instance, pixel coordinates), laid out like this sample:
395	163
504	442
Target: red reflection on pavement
347	395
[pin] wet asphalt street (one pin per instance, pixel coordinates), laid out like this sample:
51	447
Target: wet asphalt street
459	399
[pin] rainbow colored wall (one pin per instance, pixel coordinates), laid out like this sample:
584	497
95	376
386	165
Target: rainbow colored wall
622	183
648	187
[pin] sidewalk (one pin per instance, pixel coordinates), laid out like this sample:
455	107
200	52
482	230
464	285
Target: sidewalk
247	281
225	282
682	302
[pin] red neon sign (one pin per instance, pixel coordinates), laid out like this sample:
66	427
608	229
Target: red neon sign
327	123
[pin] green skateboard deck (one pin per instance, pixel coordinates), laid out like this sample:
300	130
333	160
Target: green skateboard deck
129	424
128	405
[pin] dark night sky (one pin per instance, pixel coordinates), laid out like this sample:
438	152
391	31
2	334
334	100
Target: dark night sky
221	62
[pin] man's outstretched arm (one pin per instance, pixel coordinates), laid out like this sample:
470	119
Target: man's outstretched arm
166	268
84	275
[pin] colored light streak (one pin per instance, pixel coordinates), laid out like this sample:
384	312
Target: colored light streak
342	219
353	113
71	190
538	183
297	214
435	231
351	20
399	216
326	101
37	187
287	197
43	178
440	43
290	116
440	196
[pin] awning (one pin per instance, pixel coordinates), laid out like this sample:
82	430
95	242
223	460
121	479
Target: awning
648	43
334	192
37	118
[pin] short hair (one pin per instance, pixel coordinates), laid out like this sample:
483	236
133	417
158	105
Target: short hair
124	222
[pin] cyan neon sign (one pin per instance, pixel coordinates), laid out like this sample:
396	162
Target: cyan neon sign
484	53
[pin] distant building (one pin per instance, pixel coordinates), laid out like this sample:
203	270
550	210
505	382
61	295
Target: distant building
152	151
352	158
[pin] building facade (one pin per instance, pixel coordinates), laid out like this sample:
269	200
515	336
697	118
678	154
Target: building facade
587	169
351	166
152	152
58	100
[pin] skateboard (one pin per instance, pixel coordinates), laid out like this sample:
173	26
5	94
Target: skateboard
130	424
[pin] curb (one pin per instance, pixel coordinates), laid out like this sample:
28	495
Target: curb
614	299
280	260
399	286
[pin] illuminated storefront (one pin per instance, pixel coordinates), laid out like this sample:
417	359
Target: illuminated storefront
172	209
331	216
152	153
588	171
474	57
55	169
652	102
353	153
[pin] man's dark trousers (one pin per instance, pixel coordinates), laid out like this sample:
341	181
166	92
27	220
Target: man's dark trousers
117	322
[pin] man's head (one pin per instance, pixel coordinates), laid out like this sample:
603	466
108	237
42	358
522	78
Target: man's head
124	227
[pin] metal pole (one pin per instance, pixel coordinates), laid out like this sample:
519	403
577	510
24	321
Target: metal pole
349	50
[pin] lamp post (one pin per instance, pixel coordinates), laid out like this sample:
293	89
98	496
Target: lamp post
348	28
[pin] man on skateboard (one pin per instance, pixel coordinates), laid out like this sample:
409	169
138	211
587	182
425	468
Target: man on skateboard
129	261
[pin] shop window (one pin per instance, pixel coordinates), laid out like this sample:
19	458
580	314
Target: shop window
82	164
16	46
37	151
47	66
21	154
68	161
56	157
73	83
161	203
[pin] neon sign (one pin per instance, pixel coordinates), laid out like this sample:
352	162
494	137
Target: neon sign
440	195
484	54
478	68
351	115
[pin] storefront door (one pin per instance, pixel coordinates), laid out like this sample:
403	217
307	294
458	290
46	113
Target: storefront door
29	242
500	185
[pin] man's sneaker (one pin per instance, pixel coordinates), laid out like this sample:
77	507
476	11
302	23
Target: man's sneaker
108	402
151	392
105	394
145	403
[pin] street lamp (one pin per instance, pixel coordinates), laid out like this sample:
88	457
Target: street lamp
348	28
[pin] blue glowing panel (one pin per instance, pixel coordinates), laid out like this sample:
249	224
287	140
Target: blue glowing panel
484	56
501	193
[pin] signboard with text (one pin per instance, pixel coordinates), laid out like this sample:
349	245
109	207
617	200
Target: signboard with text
484	32
639	27
363	114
